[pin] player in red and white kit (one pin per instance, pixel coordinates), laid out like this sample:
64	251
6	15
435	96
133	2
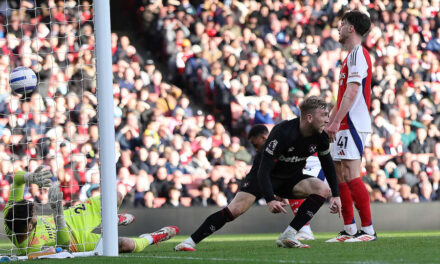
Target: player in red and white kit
349	126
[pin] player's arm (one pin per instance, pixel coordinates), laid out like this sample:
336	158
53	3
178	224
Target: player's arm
330	174
21	178
56	203
346	102
270	152
357	70
332	114
327	164
339	114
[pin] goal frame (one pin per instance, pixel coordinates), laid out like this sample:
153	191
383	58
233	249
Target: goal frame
104	78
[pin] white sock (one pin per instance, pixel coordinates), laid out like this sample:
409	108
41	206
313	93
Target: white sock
368	229
190	242
149	238
351	229
306	229
289	229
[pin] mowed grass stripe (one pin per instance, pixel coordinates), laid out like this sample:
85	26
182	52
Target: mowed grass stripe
391	248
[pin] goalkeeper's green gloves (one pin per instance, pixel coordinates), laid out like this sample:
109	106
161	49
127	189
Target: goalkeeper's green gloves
41	177
56	203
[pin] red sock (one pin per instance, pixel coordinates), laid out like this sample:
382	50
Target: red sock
361	200
295	204
347	203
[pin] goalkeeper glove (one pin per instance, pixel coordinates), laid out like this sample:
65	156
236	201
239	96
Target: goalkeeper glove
40	177
56	203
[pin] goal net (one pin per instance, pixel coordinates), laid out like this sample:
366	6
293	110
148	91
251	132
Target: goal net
56	125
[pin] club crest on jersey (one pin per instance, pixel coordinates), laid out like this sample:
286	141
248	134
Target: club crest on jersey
271	146
313	148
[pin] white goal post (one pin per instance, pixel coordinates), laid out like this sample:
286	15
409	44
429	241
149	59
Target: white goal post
106	127
23	45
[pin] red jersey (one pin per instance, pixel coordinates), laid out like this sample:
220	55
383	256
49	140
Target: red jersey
357	68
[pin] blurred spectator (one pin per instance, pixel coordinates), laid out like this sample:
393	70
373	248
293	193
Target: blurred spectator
426	193
160	184
176	183
173	198
420	144
142	186
236	152
405	195
204	199
262	116
231	190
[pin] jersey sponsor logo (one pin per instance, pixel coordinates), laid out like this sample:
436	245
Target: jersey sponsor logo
49	229
271	146
292	159
313	148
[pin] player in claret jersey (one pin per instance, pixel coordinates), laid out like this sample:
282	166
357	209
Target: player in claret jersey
277	172
349	126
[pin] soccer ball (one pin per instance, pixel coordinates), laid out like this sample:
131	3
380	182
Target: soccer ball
22	80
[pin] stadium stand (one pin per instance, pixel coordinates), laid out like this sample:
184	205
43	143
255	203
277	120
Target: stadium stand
220	67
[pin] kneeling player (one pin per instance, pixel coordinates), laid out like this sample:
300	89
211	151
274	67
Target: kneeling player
312	168
257	136
71	228
277	172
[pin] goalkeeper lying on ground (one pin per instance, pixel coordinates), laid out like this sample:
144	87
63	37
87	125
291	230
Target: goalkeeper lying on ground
71	228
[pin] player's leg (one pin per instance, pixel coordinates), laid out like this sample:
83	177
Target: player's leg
343	148
350	228
361	198
240	204
125	218
305	233
312	168
316	192
138	244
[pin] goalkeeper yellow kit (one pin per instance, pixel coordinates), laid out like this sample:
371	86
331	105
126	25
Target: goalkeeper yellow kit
81	220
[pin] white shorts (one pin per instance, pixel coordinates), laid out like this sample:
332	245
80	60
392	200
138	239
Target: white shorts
313	168
349	145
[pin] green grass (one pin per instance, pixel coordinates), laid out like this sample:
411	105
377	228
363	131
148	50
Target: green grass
391	247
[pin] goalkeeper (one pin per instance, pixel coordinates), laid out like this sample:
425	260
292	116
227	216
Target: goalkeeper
70	229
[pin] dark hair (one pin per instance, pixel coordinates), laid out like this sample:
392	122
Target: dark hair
310	104
359	20
19	216
257	131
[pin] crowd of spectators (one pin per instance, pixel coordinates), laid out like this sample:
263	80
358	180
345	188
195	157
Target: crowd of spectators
181	116
253	62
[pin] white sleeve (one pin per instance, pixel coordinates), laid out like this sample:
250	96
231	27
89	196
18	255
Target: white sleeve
357	66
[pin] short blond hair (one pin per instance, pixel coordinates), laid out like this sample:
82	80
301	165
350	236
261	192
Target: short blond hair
312	103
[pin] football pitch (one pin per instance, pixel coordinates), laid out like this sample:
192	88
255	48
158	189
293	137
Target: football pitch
391	247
